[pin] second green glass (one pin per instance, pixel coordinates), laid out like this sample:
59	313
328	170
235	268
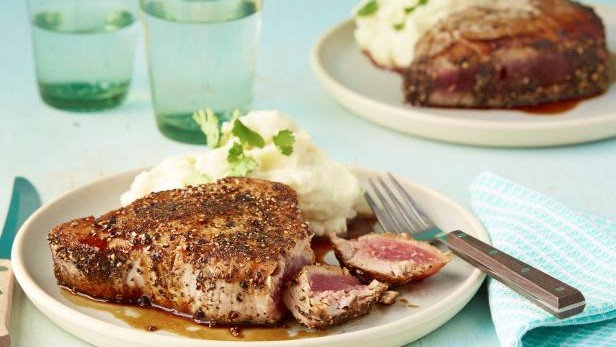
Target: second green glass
201	54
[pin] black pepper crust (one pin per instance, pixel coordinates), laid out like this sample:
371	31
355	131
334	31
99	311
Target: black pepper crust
236	229
495	57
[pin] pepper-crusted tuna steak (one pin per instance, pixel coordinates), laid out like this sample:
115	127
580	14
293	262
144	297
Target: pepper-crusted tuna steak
323	295
389	258
220	252
510	53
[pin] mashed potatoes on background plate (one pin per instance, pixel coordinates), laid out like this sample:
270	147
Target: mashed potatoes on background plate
328	192
389	29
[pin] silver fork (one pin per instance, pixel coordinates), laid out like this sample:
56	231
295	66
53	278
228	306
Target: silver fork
397	212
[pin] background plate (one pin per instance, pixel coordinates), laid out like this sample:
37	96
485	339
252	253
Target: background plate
376	95
439	298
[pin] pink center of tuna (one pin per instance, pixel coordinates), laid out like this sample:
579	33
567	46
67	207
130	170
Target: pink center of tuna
393	250
293	266
320	282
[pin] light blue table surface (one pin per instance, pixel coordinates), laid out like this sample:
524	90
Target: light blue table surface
58	151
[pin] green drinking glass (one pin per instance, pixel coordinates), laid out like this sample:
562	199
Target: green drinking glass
83	51
201	54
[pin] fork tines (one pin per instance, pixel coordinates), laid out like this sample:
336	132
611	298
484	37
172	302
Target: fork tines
394	208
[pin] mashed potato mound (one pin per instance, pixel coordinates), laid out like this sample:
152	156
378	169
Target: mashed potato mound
328	192
389	34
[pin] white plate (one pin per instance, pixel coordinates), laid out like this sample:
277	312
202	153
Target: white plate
439	297
376	95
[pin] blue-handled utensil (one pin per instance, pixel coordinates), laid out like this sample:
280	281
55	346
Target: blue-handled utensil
24	201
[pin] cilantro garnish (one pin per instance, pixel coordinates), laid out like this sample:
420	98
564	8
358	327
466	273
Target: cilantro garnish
243	166
210	126
235	152
413	8
284	140
235	115
399	26
246	135
368	9
245	138
239	163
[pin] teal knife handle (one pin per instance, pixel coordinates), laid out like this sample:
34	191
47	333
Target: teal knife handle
10	228
24	201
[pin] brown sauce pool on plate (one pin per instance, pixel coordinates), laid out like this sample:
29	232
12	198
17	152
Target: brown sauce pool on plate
153	319
320	247
158	319
360	225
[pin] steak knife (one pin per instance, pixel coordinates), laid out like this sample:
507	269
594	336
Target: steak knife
24	201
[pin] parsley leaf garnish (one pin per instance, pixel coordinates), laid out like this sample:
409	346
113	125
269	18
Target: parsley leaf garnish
247	136
210	126
239	163
284	140
399	26
368	9
413	8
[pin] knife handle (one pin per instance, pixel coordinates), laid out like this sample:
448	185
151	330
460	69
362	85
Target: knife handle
6	299
554	296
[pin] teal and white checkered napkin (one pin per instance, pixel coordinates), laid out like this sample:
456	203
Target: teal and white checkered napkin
577	248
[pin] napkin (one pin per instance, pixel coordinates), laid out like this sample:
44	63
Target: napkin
577	248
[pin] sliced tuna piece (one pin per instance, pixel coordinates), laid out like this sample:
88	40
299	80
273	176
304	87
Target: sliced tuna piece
320	296
390	258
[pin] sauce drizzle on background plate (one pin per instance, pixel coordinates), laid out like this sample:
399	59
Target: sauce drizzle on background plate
561	107
551	109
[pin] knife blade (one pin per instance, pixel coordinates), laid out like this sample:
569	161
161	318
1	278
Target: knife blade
24	201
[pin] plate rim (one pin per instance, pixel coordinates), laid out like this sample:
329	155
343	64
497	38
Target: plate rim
44	301
335	87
